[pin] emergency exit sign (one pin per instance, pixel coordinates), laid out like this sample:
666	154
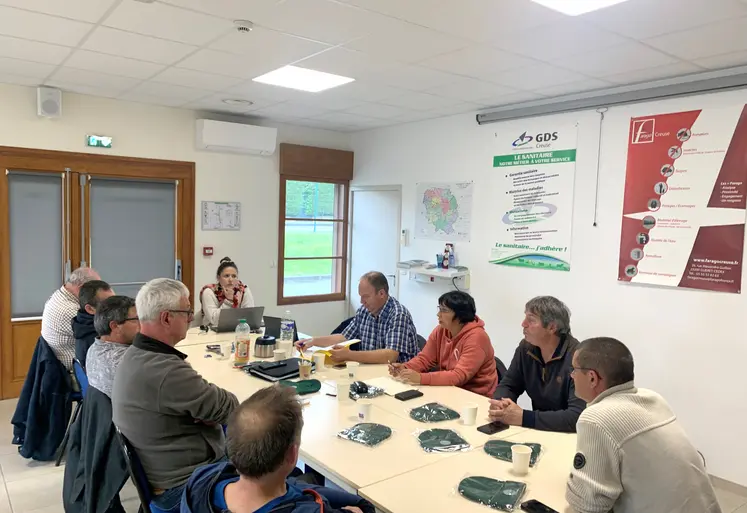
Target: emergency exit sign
99	141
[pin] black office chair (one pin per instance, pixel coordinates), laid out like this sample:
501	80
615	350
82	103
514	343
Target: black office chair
500	368
137	473
421	342
77	398
344	324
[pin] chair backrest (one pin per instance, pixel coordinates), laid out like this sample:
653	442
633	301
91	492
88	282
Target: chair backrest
80	376
137	473
421	342
500	368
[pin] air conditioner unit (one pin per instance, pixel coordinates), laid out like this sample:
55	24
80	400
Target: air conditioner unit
235	137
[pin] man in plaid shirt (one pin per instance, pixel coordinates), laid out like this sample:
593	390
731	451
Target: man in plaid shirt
59	311
382	324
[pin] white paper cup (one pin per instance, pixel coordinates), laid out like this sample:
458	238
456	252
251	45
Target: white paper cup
364	410
520	455
352	369
319	361
469	414
225	351
343	391
279	355
286	346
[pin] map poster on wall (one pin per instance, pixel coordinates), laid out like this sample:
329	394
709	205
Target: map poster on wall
221	215
685	199
444	211
533	179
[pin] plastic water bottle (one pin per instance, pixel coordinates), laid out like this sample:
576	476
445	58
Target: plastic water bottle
287	327
242	341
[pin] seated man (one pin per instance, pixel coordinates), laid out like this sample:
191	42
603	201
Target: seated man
59	311
382	324
633	454
168	412
263	441
541	367
116	324
91	295
458	351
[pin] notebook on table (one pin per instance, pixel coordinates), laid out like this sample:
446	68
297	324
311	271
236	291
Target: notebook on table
275	371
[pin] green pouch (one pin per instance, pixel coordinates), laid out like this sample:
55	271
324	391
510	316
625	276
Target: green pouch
500	495
433	412
306	386
501	449
366	433
442	440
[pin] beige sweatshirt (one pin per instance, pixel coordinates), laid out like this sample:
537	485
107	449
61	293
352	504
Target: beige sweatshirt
634	457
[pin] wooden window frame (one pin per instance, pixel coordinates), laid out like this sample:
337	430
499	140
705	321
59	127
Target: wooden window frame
340	270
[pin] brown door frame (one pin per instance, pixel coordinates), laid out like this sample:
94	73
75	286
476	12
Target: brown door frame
47	161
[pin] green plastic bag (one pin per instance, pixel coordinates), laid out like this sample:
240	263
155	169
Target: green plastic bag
501	449
442	440
366	433
500	495
433	412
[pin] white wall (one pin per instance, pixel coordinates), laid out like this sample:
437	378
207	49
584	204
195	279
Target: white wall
163	133
688	345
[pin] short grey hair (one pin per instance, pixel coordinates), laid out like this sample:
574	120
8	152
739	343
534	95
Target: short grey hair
551	311
82	275
111	309
609	357
377	280
159	295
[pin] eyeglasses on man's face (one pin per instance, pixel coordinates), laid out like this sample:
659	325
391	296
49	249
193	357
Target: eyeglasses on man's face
190	313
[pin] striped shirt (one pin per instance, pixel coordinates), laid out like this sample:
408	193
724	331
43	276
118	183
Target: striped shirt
392	328
57	319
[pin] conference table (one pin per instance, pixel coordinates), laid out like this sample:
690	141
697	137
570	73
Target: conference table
397	476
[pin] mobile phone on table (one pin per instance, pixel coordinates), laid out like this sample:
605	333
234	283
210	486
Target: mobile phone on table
535	506
408	394
493	428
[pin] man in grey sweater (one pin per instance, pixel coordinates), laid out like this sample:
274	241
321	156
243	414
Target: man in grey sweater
168	412
633	455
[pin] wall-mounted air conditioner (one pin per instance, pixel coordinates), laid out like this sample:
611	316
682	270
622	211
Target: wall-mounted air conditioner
235	137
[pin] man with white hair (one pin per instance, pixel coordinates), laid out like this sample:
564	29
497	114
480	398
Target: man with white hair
168	412
59	312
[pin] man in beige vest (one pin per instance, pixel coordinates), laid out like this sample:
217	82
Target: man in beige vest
632	456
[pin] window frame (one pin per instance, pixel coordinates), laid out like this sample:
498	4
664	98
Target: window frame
340	270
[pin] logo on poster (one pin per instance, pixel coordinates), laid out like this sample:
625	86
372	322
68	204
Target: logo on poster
543	139
522	140
643	131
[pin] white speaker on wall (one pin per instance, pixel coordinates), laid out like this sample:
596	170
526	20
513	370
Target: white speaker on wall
48	102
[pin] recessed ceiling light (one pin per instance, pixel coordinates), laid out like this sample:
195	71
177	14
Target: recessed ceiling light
576	7
303	79
237	102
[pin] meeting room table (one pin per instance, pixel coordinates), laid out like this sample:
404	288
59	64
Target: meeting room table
397	476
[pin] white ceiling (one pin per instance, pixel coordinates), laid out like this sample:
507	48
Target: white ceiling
412	59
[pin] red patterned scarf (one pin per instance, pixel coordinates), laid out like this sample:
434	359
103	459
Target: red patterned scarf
238	294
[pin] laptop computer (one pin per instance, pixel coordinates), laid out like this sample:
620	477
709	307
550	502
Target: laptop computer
272	328
229	318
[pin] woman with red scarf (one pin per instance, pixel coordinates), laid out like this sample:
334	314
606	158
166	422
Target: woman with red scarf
229	292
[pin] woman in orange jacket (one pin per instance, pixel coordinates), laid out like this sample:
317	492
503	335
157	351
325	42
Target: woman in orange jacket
458	348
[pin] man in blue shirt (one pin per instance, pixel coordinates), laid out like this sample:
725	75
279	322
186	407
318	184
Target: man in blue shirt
262	441
382	324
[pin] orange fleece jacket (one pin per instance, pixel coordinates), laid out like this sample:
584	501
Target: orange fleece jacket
467	361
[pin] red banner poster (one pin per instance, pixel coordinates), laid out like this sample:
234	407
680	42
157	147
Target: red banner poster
685	199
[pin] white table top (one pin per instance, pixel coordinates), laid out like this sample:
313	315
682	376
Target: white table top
398	475
433	488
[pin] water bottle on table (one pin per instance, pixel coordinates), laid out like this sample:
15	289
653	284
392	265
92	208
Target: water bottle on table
287	327
242	341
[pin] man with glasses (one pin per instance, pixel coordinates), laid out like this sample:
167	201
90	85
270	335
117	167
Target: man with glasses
632	453
116	325
170	414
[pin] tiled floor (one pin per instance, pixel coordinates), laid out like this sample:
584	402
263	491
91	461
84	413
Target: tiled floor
30	486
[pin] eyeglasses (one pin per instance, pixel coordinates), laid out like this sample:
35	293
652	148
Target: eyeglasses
127	319
190	313
443	309
574	369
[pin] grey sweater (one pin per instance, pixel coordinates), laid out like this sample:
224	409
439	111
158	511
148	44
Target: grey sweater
168	412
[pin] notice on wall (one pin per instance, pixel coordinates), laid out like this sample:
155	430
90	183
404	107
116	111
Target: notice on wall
685	199
533	179
444	211
221	215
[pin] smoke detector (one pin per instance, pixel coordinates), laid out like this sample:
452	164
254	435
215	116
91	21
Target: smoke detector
243	26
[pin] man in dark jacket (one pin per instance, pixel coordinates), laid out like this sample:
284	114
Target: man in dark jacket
263	441
541	367
90	297
44	407
95	470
